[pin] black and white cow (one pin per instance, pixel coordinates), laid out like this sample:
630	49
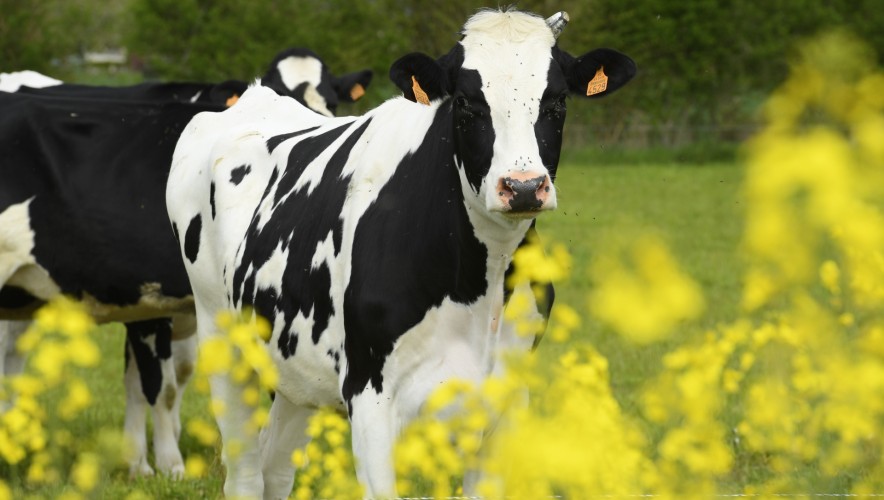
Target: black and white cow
82	177
376	246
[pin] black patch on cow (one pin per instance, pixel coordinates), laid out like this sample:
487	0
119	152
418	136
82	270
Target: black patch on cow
551	119
192	238
413	248
298	222
239	173
473	131
204	93
301	155
98	211
150	371
275	141
212	198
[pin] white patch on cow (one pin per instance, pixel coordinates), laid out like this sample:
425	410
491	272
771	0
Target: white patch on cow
497	46
17	263
269	275
196	96
11	82
297	70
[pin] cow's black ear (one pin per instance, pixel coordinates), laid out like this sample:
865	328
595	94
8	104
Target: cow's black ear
351	87
227	92
420	77
596	73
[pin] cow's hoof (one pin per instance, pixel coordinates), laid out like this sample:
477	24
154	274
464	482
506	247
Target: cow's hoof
171	468
170	464
176	472
140	469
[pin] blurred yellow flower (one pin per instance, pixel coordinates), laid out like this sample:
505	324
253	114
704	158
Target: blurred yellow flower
195	467
85	472
640	291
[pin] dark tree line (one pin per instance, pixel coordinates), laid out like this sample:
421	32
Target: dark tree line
705	65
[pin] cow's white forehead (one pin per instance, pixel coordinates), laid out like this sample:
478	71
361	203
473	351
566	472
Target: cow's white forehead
297	69
497	39
511	51
508	27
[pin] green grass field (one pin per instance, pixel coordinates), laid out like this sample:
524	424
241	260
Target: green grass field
695	207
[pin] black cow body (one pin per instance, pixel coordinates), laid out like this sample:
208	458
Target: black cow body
378	246
82	212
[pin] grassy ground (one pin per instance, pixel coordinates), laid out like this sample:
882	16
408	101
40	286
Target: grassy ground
695	207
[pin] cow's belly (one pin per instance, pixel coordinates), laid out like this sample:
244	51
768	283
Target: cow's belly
451	342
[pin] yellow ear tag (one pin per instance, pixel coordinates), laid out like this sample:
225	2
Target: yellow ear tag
419	94
356	92
231	100
598	84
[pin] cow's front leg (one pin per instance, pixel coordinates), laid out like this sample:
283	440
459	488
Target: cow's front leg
375	426
285	431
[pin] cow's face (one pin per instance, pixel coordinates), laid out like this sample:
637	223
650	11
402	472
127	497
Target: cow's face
506	84
301	74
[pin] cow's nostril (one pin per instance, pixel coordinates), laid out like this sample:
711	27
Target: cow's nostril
523	194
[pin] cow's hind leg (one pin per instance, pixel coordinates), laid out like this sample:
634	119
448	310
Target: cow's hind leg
166	421
12	362
137	403
285	432
151	380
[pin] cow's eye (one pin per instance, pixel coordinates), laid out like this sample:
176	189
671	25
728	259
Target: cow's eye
556	106
463	105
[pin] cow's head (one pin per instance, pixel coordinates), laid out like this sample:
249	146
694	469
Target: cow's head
506	83
301	74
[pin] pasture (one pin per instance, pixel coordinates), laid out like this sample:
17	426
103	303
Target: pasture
695	207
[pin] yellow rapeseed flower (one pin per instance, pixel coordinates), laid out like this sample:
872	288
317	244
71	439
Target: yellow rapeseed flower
195	467
85	472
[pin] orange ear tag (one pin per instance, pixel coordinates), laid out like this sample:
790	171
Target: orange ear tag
231	100
598	84
356	92
419	94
